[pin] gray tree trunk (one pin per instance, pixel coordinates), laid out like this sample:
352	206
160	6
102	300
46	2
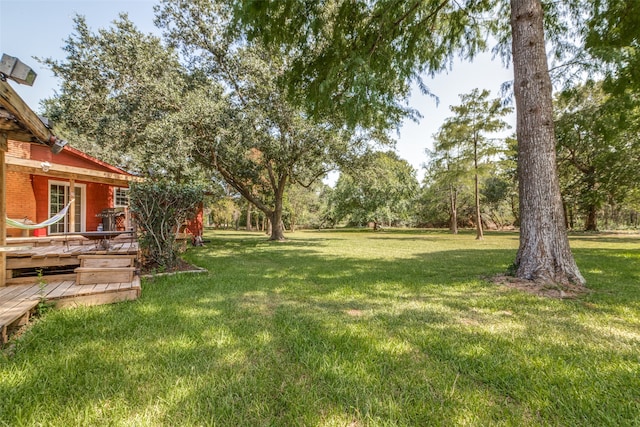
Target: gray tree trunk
248	216
277	230
544	252
479	233
453	193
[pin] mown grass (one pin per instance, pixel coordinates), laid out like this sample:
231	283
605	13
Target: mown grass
342	329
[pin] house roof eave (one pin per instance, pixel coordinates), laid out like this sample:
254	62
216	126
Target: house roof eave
25	120
34	167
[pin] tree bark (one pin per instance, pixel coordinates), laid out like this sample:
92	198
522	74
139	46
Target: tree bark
479	233
248	216
277	229
454	209
591	221
544	253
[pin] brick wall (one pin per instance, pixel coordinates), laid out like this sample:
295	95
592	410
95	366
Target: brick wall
41	193
21	201
19	149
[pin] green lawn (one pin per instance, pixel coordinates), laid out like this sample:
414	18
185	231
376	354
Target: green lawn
348	328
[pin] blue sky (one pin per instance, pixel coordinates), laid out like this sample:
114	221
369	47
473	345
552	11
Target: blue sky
38	28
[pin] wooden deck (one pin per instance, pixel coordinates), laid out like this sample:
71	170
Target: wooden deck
60	261
51	254
17	302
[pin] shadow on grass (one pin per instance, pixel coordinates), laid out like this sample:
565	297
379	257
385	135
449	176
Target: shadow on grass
294	336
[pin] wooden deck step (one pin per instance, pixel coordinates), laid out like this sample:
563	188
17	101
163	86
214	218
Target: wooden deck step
42	261
105	261
17	303
91	275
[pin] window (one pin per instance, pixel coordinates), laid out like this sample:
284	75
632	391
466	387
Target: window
58	199
120	197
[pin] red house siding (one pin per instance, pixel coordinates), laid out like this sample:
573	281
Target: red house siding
98	198
196	225
69	158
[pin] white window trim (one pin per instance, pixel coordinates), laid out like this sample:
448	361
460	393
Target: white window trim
83	202
115	199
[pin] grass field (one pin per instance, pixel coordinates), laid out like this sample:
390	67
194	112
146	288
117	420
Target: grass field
342	328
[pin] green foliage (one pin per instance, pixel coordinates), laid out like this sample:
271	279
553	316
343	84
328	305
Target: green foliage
496	194
382	191
598	149
250	132
223	212
118	88
159	209
353	61
433	204
613	38
303	206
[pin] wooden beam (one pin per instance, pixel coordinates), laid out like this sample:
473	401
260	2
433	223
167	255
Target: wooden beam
15	130
72	208
34	167
21	136
12	102
3	208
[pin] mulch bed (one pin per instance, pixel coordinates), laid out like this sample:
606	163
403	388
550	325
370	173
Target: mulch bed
182	267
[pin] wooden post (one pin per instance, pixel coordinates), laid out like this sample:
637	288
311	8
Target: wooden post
3	209
72	208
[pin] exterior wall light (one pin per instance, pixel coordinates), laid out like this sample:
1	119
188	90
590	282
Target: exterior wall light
58	145
16	70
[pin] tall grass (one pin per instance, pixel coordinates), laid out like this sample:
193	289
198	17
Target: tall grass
342	328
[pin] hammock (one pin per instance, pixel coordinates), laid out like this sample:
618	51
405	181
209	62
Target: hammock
13	223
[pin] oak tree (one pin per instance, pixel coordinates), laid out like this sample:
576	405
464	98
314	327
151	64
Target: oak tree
118	86
243	125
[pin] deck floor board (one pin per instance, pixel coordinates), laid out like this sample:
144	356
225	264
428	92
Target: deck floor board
18	300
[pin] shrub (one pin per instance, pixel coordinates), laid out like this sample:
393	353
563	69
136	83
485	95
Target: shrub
159	208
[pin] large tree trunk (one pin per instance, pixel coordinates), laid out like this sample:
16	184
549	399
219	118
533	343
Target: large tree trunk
544	252
277	229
